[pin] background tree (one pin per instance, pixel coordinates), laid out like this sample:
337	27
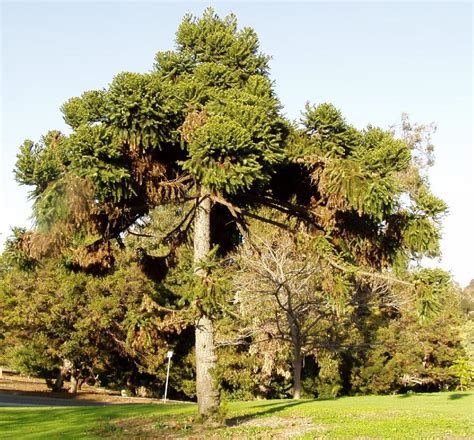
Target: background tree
465	366
406	355
115	329
467	300
298	296
361	196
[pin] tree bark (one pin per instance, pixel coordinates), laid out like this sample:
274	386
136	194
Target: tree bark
296	342
73	387
207	393
297	372
206	390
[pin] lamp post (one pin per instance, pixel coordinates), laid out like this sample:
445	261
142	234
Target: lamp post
169	355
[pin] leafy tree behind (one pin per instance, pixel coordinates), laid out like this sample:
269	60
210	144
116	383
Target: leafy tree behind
112	329
407	355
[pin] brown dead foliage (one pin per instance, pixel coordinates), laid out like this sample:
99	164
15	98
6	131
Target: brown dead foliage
194	120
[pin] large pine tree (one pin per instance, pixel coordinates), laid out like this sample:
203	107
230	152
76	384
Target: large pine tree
205	126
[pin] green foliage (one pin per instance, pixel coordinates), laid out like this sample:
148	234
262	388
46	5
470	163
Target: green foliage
39	164
207	149
15	254
432	288
224	157
218	72
428	204
329	133
467	327
407	355
467	301
329	380
370	196
214	40
32	358
245	375
139	110
463	370
89	109
110	327
207	115
52	207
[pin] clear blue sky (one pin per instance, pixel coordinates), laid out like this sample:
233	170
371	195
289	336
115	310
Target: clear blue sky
372	60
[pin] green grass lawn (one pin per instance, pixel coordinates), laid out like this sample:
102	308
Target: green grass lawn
414	416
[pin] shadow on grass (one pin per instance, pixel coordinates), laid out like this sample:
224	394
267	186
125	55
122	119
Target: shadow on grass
457	396
454	396
421	394
298	402
273	408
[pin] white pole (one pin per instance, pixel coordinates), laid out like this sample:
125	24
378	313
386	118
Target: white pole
169	355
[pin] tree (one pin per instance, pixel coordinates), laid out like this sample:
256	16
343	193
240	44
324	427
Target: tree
467	302
205	126
298	295
115	329
405	354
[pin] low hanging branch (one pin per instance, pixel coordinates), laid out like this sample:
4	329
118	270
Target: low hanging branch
365	274
179	230
137	234
239	214
285	208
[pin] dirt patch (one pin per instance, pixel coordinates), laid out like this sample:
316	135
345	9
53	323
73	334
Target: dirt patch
136	428
283	427
184	428
156	428
14	382
29	386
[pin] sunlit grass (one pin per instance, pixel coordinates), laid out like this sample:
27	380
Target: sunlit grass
415	416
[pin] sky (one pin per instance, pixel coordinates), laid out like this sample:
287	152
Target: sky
373	60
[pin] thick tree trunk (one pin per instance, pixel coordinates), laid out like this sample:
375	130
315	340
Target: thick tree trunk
73	387
297	372
206	390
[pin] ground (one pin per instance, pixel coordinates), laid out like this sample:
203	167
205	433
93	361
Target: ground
13	383
409	416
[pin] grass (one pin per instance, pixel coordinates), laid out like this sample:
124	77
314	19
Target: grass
413	416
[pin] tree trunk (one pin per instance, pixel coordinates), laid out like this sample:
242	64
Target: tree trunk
296	342
207	393
58	384
73	387
297	372
63	371
206	390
